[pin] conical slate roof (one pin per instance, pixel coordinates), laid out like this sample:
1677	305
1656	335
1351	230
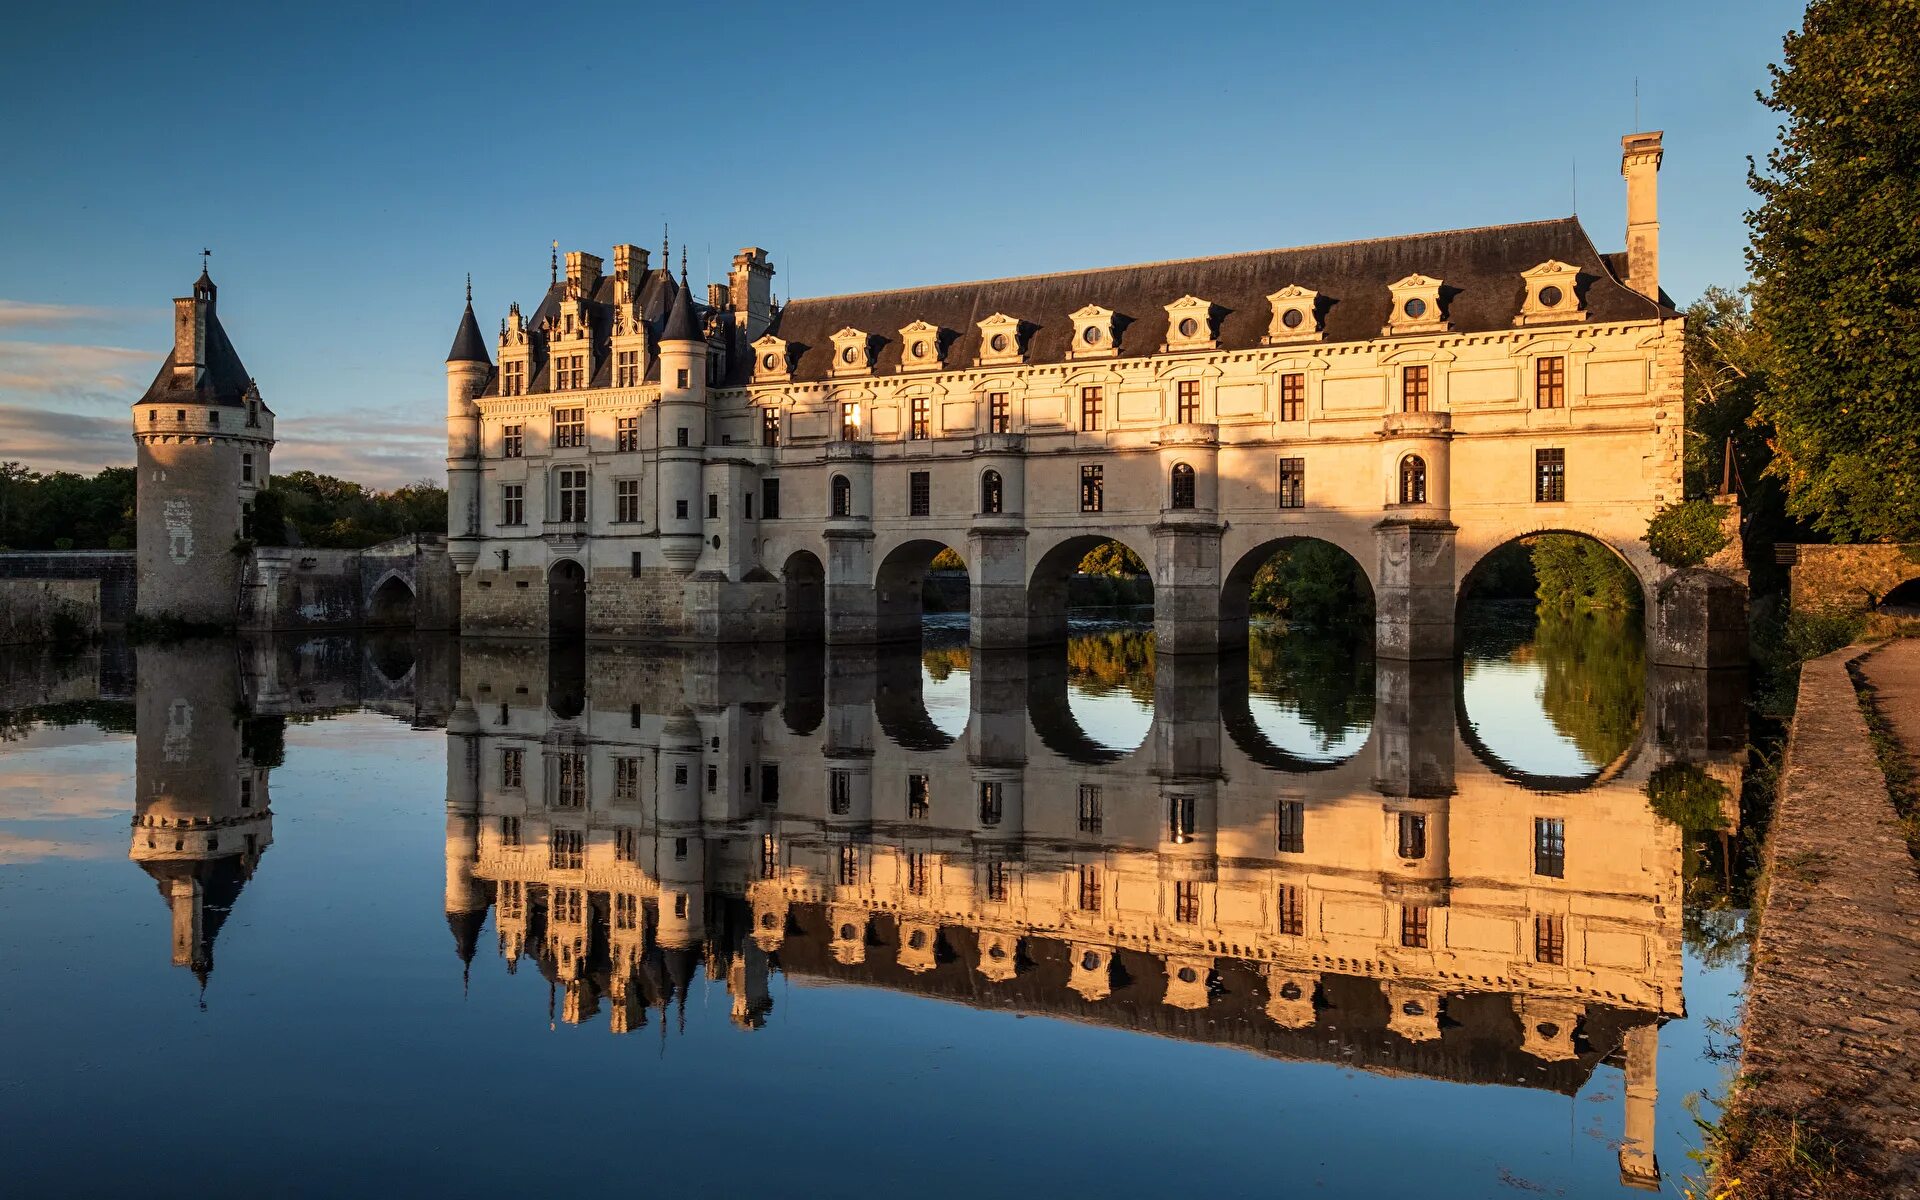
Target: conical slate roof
681	326
468	344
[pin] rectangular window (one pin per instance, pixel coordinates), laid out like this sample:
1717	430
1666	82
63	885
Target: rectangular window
512	768
769	856
713	506
626	912
1090	889
1180	819
839	793
680	898
566	850
213	417
1186	902
746	498
1413	389
626	368
920	494
569	428
713	779
919	797
626	845
626	780
1550	382
1093	492
246	468
849	866
513	504
1413	927
850	421
626	499
998	417
769	784
1550	847
1549	476
679	849
626	434
570	372
1550	940
1186	408
682	379
513	379
1093	406
512	441
1092	806
510	833
770	499
680	436
1293	827
573	493
769	427
917	872
636	564
569	781
1413	835
918	422
1293	396
989	803
1293	483
997	880
1290	910
680	510
679	774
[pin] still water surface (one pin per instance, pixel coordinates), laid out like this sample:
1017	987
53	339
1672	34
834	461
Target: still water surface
336	915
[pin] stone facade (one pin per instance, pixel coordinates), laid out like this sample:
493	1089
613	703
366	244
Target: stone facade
1418	402
113	570
1848	578
44	610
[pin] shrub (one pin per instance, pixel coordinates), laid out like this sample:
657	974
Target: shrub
1686	534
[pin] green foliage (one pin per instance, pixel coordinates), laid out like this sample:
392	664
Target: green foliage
1573	573
1595	687
1313	582
1507	573
1115	660
1684	794
1326	677
1781	644
1687	533
308	509
948	560
1836	257
1111	558
1725	377
65	511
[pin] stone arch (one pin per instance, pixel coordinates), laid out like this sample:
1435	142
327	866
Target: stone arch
392	602
1647	571
1047	599
1905	594
566	600
1236	585
899	584
804	596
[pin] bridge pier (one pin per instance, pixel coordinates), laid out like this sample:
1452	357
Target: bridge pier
997	585
852	618
1186	584
1413	602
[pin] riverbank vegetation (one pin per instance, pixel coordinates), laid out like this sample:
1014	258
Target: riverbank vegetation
64	510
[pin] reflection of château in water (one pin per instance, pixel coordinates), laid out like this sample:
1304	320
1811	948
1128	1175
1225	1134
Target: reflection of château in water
1414	908
208	719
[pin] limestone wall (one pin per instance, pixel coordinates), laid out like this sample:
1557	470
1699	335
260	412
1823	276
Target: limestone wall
1852	578
113	568
43	610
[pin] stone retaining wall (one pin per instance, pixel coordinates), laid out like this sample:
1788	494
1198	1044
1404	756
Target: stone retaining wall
43	610
1853	578
1832	1024
114	569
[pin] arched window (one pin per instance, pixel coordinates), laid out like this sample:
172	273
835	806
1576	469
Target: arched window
1413	480
1182	486
842	496
990	500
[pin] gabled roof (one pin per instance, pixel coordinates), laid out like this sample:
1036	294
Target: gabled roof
468	343
1479	268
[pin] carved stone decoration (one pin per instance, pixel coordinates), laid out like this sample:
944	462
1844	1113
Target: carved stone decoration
1551	294
772	362
1416	307
1093	333
920	347
1000	341
1191	324
852	352
1296	316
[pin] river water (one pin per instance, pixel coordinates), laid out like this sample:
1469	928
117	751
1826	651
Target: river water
331	915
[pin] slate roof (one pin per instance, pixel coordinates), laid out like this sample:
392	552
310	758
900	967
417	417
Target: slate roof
224	383
1479	268
681	326
657	292
468	343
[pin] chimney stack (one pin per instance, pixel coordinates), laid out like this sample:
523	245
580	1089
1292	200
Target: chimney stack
629	272
750	289
1640	167
189	338
583	272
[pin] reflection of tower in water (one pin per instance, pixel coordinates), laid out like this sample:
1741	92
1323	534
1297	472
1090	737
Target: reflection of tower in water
201	810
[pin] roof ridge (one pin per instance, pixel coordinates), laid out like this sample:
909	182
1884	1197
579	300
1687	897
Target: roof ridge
1180	262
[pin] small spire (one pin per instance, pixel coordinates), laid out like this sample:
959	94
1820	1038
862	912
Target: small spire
469	289
683	264
666	249
553	264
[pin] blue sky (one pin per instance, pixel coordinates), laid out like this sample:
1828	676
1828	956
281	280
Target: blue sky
348	163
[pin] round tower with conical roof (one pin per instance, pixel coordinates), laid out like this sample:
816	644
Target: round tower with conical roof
469	367
203	437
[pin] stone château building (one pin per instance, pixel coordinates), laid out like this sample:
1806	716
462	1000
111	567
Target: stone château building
645	462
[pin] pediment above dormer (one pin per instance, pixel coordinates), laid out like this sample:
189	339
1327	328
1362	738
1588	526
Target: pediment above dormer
1190	324
1296	315
1000	340
1417	306
1093	333
1551	295
920	347
772	361
852	352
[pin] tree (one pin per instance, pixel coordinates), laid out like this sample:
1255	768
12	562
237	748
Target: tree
1111	558
308	509
1835	253
1312	582
1726	374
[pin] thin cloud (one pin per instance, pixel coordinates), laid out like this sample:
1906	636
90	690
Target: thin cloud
74	372
18	314
50	440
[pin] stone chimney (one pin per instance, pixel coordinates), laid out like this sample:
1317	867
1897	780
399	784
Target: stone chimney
583	272
1640	167
750	291
189	338
629	272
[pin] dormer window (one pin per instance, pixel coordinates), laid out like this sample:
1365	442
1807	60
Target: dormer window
1190	324
1296	315
513	378
1093	333
920	348
852	352
1416	307
1550	294
999	340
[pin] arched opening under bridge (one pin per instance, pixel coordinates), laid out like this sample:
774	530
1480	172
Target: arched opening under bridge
1086	582
566	601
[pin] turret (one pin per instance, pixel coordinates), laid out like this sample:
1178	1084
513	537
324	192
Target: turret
468	369
683	430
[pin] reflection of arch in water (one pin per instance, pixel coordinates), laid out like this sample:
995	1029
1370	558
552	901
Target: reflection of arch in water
566	680
392	659
899	588
392	602
804	594
1236	588
1047	584
803	703
1243	727
1530	780
1050	709
900	704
